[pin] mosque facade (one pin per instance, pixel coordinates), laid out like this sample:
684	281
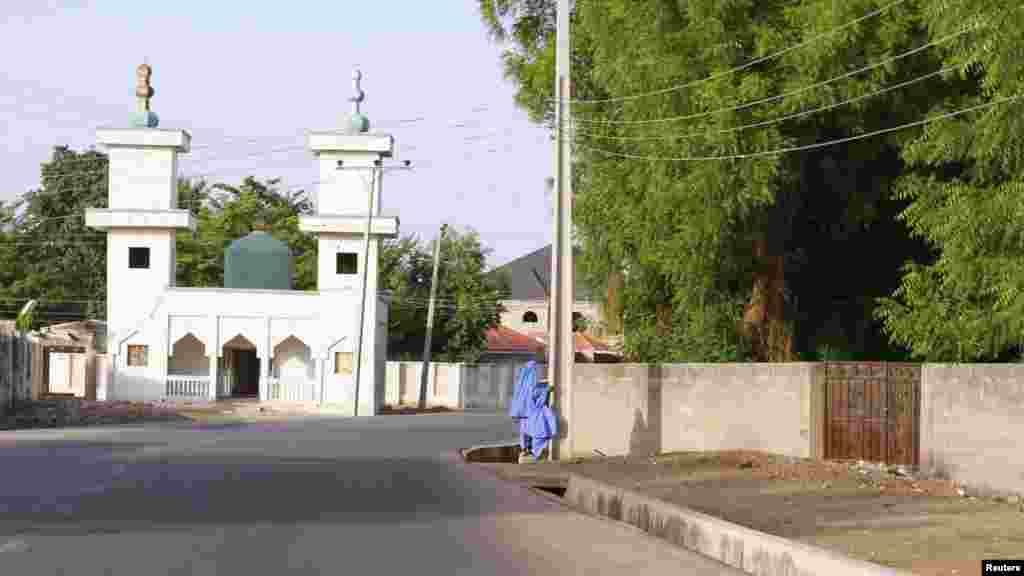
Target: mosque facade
255	336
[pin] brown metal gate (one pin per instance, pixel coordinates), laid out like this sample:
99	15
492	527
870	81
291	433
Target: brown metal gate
872	411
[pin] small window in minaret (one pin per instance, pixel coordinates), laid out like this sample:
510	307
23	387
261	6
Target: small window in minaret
138	257
138	355
347	263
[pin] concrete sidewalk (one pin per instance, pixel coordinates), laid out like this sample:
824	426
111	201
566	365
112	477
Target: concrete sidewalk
749	550
553	536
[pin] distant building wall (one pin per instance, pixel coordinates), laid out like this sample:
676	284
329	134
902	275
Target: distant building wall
515	313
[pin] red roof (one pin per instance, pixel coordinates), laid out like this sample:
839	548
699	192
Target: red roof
589	343
584	343
502	339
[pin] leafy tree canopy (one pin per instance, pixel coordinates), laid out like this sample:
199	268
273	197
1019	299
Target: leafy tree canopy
48	253
724	256
967	187
467	300
225	213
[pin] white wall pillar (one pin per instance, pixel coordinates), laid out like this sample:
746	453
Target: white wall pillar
314	383
105	385
163	350
266	361
213	353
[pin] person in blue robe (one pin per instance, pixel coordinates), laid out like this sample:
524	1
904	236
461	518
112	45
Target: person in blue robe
538	424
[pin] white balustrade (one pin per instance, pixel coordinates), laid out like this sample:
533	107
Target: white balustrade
291	389
189	387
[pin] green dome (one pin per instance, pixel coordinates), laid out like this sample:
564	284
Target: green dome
258	261
358	123
145	119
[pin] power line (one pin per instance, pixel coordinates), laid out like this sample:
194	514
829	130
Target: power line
456	125
738	68
794	92
104	171
805	147
781	119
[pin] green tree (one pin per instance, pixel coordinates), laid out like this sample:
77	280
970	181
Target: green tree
468	300
8	259
405	270
966	182
740	258
225	213
473	298
57	260
48	254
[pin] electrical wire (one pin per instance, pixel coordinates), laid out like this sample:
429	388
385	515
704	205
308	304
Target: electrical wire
211	174
457	125
888	60
776	120
740	68
805	147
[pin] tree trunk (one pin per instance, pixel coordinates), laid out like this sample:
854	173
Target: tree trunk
764	320
613	303
663	313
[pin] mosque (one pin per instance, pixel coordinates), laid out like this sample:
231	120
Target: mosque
255	337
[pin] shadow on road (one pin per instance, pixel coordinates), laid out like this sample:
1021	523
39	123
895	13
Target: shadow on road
94	486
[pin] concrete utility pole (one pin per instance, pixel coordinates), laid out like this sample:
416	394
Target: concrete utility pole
424	375
561	347
366	269
375	189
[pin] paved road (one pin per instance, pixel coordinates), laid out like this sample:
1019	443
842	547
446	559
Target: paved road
379	495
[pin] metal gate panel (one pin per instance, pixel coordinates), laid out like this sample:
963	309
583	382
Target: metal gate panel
872	411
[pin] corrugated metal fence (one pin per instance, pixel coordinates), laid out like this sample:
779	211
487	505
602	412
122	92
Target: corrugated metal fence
15	369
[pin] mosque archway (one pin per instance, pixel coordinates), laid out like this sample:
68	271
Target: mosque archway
240	372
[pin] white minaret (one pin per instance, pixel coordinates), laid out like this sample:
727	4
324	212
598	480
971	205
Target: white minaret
141	218
349	175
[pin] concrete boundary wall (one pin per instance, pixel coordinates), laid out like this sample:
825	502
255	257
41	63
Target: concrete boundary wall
487	387
972	425
402	384
749	550
620	409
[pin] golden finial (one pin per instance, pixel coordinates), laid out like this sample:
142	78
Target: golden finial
143	90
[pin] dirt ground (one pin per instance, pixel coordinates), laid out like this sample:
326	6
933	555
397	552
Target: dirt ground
99	413
126	412
884	515
94	413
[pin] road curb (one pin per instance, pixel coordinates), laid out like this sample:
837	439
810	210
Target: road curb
559	503
749	550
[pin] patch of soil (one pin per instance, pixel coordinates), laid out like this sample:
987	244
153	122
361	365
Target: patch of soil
87	413
97	412
885	515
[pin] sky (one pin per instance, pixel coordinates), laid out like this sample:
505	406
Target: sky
249	79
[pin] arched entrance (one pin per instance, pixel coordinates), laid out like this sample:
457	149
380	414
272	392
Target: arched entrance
241	370
188	357
294	371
